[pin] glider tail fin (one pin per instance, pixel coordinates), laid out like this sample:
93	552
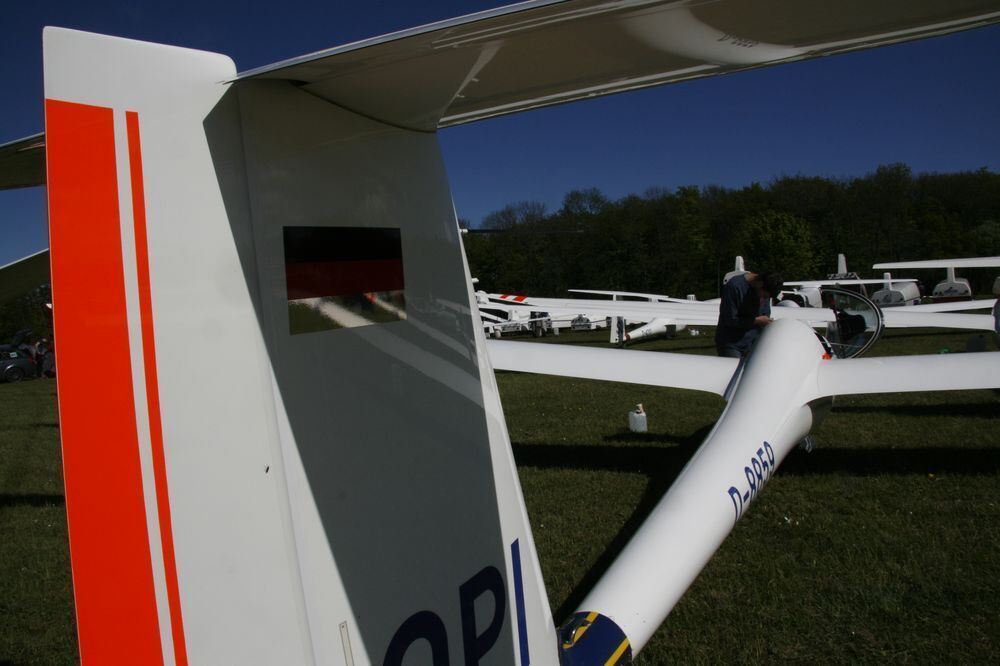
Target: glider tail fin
617	329
294	450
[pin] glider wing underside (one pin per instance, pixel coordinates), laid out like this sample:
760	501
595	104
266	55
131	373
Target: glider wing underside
22	163
541	53
545	52
21	276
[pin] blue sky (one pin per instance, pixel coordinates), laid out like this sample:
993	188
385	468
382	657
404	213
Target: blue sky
932	104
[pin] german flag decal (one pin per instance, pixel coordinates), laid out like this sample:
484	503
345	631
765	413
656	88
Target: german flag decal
341	277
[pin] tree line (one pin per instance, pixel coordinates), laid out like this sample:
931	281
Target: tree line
683	241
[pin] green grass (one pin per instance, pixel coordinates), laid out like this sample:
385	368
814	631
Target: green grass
36	597
881	545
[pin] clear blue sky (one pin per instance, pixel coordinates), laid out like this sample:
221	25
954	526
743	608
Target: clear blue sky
933	104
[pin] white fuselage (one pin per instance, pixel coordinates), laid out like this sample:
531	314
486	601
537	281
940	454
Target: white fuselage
767	415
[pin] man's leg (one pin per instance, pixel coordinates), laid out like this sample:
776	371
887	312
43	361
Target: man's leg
727	351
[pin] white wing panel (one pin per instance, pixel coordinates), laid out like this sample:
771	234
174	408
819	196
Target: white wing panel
893	374
833	283
688	371
954	306
969	262
903	318
633	294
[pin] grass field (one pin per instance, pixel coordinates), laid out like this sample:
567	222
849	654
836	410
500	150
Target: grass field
881	545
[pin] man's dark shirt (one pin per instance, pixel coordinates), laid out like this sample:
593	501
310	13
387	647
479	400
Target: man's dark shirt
739	306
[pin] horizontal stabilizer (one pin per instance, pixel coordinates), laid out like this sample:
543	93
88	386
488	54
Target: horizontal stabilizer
22	162
19	277
896	374
687	371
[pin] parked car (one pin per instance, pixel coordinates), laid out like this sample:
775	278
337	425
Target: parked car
15	364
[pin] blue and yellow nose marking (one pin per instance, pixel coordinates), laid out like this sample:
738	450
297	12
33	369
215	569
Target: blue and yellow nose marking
591	639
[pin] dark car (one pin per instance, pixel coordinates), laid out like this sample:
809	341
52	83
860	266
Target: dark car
15	364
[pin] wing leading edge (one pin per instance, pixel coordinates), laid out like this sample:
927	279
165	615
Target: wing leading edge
889	374
687	371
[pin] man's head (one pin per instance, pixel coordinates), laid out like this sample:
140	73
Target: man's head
771	283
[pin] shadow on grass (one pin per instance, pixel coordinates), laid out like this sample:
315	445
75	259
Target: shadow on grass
663	464
922	333
653	437
660	464
984	410
650	460
694	348
892	461
31	499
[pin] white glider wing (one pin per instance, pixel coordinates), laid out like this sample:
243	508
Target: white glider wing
954	306
898	374
687	371
971	262
633	294
834	283
902	318
541	53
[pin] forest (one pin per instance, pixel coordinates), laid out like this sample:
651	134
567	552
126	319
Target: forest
682	241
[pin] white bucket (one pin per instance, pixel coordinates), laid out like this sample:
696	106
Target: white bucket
637	419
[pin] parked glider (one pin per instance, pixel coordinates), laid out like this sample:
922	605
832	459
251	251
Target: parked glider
658	318
952	287
349	495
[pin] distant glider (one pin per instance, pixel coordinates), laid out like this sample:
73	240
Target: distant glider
952	287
